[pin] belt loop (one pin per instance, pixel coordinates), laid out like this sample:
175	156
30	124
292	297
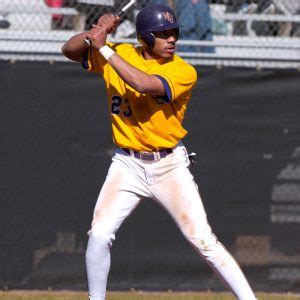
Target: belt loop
132	152
157	156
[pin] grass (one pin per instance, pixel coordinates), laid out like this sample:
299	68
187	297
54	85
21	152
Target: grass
49	295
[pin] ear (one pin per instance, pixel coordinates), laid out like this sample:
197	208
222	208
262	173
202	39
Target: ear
142	42
147	39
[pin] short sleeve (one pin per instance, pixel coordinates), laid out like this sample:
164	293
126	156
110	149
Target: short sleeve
178	80
93	61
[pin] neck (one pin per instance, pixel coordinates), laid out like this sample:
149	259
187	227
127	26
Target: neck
148	54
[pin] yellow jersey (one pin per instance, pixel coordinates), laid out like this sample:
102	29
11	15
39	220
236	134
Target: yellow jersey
145	122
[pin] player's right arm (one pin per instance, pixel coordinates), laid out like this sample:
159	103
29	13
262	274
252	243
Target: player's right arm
75	47
139	80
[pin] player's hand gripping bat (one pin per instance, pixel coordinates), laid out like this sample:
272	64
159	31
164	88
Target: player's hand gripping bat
120	13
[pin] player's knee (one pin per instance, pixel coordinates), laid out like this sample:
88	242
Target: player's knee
206	244
210	248
100	241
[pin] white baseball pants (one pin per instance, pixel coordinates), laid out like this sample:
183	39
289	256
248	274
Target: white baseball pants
170	183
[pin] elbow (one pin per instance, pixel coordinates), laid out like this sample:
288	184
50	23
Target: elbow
65	51
69	54
137	85
143	90
149	89
142	86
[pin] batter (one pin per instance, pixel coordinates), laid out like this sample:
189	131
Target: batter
148	90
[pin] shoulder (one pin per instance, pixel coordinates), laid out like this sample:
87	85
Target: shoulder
181	67
182	63
122	48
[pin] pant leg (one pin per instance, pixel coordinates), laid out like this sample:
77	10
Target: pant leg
176	190
120	194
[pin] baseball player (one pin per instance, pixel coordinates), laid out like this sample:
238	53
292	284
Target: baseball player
148	90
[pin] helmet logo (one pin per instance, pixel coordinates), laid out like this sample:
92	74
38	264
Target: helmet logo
168	17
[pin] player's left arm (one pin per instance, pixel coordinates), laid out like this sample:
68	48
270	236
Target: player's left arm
137	79
179	78
142	82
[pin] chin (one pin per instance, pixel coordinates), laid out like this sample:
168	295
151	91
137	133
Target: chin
167	55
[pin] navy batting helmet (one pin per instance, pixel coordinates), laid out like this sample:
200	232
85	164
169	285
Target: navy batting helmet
154	18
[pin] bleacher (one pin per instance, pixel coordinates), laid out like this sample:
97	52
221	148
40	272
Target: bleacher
32	42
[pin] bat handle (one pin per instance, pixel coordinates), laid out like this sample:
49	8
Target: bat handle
87	41
120	13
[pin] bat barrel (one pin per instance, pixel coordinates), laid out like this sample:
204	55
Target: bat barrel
125	8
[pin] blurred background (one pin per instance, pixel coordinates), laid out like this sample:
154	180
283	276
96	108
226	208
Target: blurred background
220	32
243	123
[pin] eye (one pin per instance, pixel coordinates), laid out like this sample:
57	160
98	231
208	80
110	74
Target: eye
165	34
159	35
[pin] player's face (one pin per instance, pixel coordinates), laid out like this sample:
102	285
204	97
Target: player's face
165	43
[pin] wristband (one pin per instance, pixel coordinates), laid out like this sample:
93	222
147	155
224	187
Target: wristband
106	52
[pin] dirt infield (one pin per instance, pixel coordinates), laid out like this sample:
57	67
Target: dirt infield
66	295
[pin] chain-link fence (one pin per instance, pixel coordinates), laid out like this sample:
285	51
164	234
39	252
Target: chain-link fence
261	33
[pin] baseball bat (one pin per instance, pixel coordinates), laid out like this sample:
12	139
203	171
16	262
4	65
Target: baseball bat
120	13
123	10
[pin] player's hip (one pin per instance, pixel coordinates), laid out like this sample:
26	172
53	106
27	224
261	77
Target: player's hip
164	158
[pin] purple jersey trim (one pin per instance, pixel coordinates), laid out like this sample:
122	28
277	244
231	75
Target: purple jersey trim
85	60
168	97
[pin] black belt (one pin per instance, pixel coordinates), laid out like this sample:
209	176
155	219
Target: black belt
149	156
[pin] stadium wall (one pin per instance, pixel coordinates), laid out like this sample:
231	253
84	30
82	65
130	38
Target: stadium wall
55	151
